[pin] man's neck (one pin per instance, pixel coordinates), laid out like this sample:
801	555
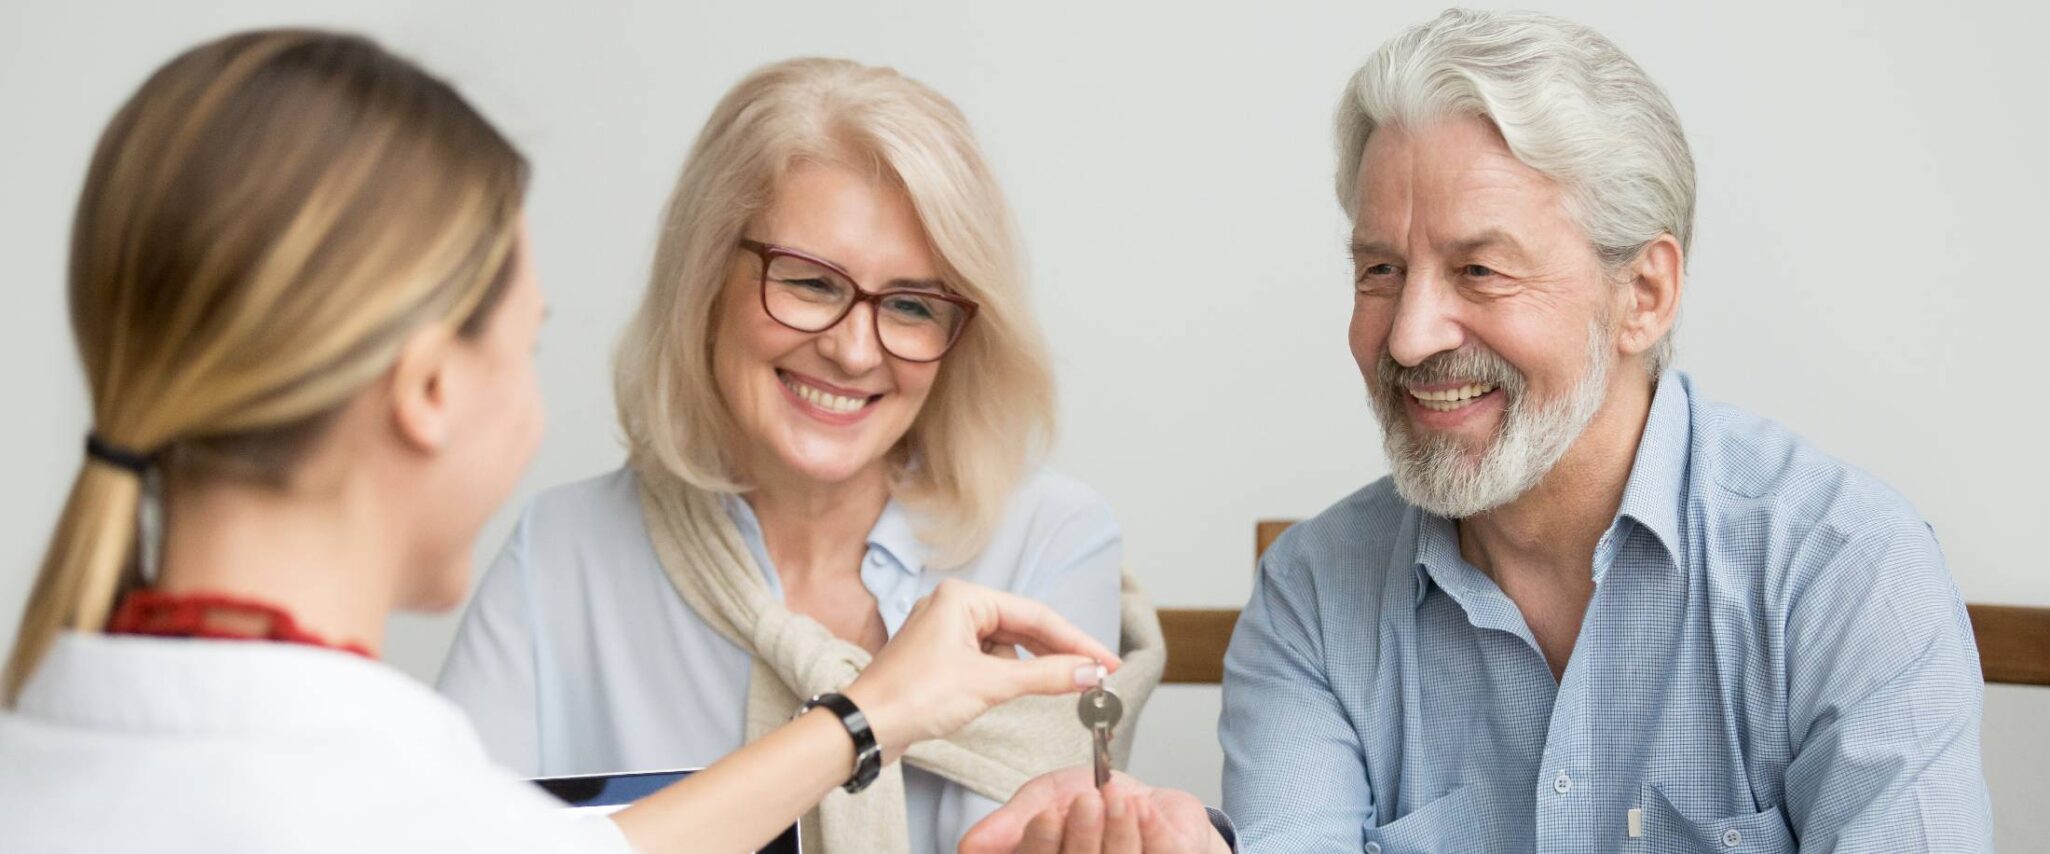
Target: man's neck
1552	529
1540	548
325	561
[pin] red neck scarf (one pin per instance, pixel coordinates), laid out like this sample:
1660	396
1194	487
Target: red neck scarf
152	612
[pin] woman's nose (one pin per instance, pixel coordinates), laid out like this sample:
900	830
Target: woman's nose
851	344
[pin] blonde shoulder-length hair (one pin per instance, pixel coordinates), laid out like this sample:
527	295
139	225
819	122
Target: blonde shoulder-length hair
991	410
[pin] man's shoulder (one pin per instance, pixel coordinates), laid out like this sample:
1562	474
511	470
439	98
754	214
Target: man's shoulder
1773	493
1752	459
1357	533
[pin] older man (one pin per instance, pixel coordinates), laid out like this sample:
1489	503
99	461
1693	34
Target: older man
1590	610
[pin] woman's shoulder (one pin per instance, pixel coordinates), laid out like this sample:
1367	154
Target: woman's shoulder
1049	515
1044	497
599	514
606	492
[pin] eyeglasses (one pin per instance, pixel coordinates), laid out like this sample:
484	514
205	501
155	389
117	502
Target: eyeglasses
811	294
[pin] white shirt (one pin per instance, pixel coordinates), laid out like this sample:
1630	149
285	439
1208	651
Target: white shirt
578	656
124	743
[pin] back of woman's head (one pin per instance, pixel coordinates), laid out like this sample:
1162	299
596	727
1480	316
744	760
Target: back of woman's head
263	224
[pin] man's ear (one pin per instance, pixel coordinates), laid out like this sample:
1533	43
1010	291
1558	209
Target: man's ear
419	388
1651	303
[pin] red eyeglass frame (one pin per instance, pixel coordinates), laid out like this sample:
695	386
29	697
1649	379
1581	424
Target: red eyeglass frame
769	251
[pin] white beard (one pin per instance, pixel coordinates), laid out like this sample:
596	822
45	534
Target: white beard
1438	474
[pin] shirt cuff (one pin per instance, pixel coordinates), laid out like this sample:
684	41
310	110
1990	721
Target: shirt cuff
1222	823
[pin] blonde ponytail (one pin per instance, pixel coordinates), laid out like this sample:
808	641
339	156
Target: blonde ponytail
87	565
263	224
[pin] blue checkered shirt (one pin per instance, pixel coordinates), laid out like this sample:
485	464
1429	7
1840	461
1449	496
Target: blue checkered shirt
1775	658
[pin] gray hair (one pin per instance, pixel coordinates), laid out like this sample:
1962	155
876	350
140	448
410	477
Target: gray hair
1568	102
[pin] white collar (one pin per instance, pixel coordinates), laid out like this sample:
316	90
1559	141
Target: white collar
251	689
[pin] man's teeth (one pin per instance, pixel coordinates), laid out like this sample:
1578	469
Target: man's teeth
828	402
1449	399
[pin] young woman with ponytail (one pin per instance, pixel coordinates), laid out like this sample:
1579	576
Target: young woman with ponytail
302	297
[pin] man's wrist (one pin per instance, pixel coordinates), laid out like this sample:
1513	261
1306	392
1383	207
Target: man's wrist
1224	837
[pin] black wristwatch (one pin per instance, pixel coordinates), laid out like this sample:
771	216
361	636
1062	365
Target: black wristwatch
868	757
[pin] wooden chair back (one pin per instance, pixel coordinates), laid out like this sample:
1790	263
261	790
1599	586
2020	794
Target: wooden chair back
2014	641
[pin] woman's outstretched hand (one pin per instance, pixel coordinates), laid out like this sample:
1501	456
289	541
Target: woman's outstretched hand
952	661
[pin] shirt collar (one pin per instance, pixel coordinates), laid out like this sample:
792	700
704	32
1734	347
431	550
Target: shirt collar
191	687
1437	551
894	534
1658	476
1651	497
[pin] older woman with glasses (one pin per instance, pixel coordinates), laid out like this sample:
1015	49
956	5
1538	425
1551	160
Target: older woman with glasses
834	397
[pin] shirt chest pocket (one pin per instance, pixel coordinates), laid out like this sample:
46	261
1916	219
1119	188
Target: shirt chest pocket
1449	824
1670	831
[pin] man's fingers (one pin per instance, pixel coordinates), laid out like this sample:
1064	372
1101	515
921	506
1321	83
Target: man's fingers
999	832
1049	794
1085	825
1121	782
1156	834
1121	821
1043	835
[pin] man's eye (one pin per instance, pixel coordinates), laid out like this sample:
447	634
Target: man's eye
1377	271
1477	271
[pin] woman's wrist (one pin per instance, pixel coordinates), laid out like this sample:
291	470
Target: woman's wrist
853	722
883	719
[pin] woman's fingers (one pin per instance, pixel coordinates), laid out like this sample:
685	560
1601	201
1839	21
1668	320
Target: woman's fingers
1049	674
941	669
1021	621
1037	647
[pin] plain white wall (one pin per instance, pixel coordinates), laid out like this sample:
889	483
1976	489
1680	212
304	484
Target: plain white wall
1868	266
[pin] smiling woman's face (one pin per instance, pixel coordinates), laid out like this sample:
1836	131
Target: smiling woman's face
823	406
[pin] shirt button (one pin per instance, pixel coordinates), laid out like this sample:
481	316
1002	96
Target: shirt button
1732	839
1562	783
874	558
1373	848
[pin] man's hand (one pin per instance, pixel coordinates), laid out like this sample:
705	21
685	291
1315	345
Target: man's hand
1063	813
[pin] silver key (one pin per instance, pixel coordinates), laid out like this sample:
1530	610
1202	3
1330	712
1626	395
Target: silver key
1100	710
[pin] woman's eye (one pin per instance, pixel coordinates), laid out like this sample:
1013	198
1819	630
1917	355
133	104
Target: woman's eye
814	289
909	308
820	285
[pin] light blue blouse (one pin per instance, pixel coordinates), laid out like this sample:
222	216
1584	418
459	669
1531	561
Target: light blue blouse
577	656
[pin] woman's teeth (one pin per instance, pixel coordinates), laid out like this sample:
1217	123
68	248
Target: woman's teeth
829	402
1452	398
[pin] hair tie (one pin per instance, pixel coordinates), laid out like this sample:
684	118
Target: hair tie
132	462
